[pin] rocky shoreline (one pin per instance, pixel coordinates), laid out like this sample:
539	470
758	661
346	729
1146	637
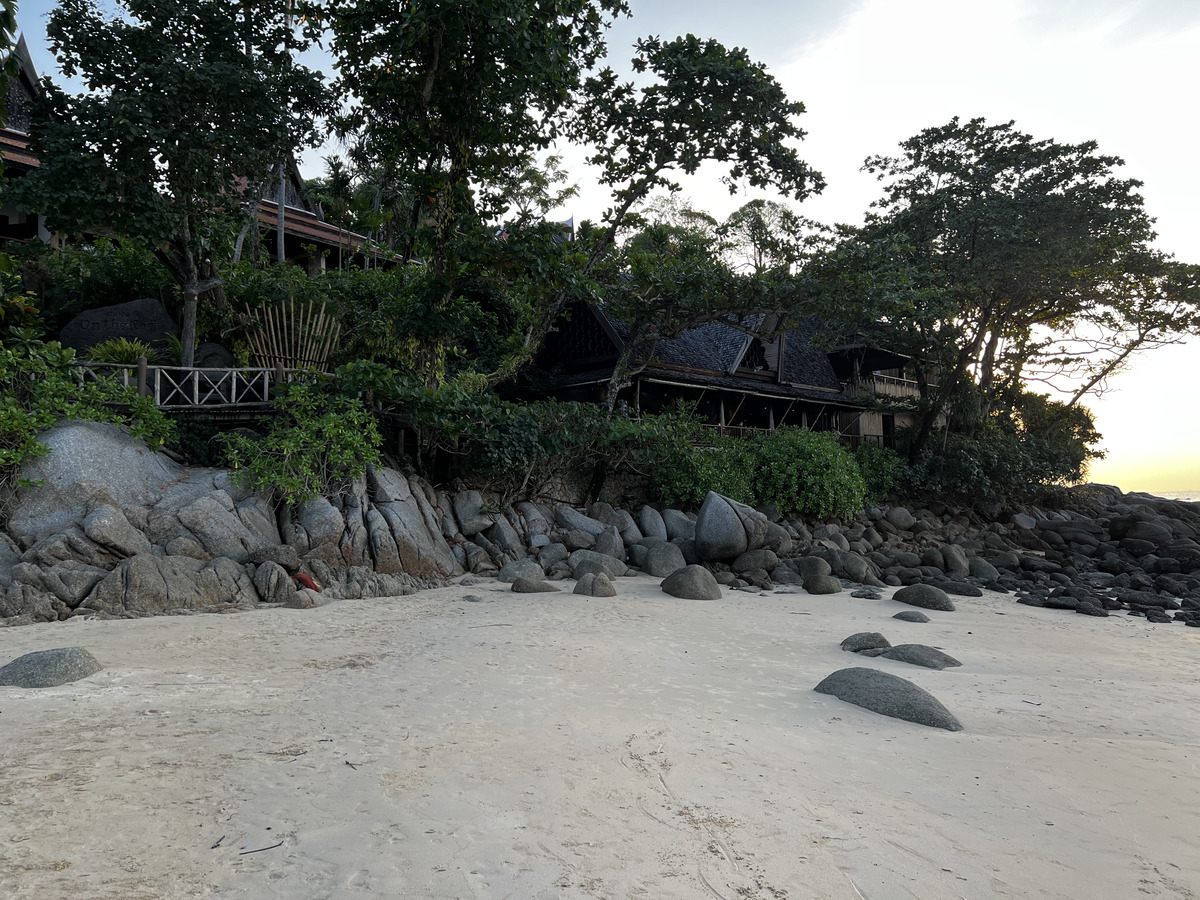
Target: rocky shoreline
116	530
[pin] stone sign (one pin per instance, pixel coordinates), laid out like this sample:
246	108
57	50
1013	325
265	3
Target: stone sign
145	320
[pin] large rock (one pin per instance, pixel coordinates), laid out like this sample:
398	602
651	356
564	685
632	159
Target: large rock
888	695
865	640
468	509
145	319
692	583
107	526
901	518
595	585
275	585
720	534
926	596
755	559
679	526
609	543
152	585
916	655
650	521
573	520
415	527
663	559
89	464
521	568
216	525
822	584
612	567
49	668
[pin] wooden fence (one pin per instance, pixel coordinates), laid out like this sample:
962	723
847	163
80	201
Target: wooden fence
180	388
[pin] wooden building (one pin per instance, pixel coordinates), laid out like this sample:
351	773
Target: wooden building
739	382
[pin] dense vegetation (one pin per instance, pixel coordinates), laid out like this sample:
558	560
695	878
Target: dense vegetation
991	261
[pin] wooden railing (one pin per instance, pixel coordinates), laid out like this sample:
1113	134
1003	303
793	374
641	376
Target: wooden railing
180	388
884	385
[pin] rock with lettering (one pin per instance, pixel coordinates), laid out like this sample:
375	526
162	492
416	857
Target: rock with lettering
144	320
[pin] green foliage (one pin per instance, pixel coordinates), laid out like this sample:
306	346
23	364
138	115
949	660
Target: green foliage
124	351
794	469
802	471
183	101
318	442
685	470
885	472
18	307
38	389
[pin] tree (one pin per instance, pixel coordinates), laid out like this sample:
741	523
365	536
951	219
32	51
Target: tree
987	241
451	95
701	103
184	100
765	234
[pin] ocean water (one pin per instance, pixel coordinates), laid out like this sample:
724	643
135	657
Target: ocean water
1193	495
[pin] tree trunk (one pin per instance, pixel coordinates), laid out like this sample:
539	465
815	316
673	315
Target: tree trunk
187	355
280	213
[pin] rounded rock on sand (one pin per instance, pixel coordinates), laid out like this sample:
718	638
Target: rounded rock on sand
888	695
865	640
911	615
925	596
692	583
49	668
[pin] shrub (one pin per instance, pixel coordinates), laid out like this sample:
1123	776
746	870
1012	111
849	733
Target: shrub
317	444
692	464
993	465
802	471
123	351
884	471
38	389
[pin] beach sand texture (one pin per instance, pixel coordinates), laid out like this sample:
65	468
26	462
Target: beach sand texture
556	746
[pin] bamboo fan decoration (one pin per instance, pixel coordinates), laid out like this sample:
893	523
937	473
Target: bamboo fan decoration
294	335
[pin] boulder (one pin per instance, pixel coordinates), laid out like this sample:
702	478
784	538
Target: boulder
679	526
888	695
755	559
521	568
822	584
720	534
978	567
107	526
925	596
49	668
468	510
275	585
865	640
808	566
918	655
505	536
614	568
551	554
533	586
595	585
663	559
901	518
410	516
956	563
911	615
88	464
216	525
609	543
151	585
692	583
282	554
651	523
573	520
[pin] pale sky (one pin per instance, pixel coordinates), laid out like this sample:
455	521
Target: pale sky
875	72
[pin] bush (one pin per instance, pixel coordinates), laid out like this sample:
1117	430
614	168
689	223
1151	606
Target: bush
317	444
802	471
884	471
38	389
993	466
122	351
688	467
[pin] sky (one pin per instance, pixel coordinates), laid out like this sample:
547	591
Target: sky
872	73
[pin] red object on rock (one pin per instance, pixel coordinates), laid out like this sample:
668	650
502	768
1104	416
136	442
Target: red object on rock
306	582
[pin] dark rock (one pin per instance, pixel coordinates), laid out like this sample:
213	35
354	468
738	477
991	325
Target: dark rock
692	583
49	668
551	554
808	566
926	596
980	568
578	539
888	695
679	526
919	655
650	521
521	568
609	543
468	509
822	584
274	584
911	615
597	585
755	559
533	586
663	560
865	640
960	589
145	320
281	554
573	520
720	533
614	568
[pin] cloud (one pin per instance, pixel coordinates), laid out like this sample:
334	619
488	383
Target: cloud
774	32
1127	20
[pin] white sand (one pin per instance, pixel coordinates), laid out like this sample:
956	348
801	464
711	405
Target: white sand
546	746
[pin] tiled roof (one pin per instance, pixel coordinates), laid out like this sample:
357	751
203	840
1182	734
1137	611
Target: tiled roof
15	147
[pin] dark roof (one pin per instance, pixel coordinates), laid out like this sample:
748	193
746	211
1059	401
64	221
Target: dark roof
718	348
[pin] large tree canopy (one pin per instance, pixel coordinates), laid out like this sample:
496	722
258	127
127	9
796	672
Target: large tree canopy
183	100
988	243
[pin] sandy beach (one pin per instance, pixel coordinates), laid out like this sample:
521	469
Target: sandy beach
552	745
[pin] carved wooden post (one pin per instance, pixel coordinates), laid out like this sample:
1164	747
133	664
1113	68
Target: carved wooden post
279	374
141	375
